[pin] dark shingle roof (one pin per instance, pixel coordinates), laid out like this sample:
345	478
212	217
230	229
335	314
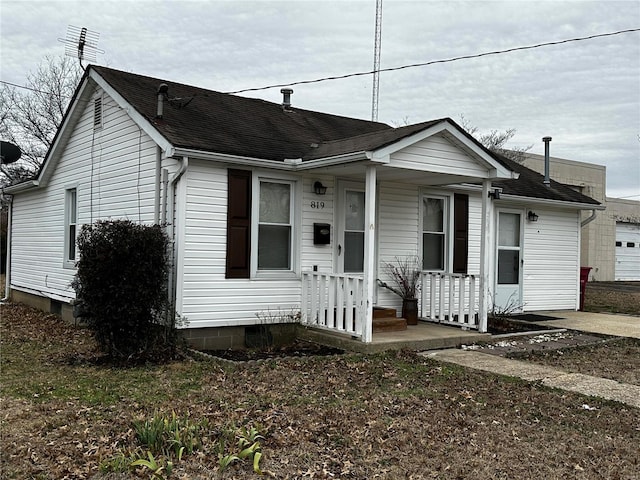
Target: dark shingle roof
210	121
367	141
530	184
230	124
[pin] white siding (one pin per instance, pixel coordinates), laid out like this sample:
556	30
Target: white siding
208	298
317	255
475	237
551	253
439	155
113	170
398	221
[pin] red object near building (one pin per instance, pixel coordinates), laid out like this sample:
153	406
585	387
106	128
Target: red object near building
584	278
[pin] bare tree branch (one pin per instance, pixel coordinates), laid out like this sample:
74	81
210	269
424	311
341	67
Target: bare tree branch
496	141
31	117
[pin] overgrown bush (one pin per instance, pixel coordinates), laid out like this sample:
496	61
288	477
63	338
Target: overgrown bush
121	287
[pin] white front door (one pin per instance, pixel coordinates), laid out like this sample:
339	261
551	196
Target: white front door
508	291
350	243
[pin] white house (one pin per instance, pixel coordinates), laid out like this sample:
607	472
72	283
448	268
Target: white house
274	207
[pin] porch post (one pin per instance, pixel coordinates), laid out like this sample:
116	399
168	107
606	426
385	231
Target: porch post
369	251
485	256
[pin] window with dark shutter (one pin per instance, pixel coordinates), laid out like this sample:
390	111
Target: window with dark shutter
460	232
238	224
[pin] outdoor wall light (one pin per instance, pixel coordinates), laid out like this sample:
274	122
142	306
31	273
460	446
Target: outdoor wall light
495	194
532	217
319	189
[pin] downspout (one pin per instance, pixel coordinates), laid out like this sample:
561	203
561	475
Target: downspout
173	274
156	200
165	184
7	278
590	219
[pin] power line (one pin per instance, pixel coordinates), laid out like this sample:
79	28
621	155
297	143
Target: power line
433	62
28	88
402	67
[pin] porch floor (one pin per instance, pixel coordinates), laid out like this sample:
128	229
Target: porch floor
424	336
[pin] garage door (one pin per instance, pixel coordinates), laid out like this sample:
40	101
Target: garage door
627	251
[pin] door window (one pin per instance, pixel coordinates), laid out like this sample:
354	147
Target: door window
354	222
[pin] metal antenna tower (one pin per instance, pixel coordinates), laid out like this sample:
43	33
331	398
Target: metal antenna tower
376	62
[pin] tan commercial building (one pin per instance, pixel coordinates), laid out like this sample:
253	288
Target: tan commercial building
610	243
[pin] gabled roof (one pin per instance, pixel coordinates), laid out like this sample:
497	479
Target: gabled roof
208	121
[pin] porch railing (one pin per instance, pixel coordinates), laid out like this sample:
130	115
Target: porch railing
449	298
333	301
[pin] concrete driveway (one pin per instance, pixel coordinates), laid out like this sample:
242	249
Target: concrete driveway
604	323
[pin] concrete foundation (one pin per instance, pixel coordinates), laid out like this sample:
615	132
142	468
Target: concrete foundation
63	309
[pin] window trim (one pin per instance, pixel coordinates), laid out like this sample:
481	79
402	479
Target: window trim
66	261
294	218
446	227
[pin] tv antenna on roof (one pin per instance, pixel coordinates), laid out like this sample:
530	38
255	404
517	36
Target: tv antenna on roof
81	43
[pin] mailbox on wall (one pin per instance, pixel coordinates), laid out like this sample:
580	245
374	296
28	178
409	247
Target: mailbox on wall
321	234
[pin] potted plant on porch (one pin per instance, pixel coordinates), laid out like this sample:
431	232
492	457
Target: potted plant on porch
404	275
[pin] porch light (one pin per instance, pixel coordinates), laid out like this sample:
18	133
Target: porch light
532	217
319	189
495	194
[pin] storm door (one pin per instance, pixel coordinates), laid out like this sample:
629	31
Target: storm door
352	226
508	289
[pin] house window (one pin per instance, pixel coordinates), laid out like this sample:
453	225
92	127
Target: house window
97	113
434	232
274	226
260	225
71	222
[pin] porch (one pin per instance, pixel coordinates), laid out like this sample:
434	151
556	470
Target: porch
335	305
424	336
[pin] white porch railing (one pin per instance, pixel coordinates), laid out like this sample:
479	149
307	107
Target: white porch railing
333	301
449	298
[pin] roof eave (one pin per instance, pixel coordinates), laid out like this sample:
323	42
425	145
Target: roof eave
552	202
21	187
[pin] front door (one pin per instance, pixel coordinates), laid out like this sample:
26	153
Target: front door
508	292
351	235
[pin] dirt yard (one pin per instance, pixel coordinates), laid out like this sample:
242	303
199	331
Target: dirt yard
613	297
388	416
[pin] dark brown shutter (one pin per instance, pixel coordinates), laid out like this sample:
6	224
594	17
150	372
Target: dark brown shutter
460	232
238	224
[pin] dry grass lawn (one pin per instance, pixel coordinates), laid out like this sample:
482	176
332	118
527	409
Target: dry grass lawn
387	416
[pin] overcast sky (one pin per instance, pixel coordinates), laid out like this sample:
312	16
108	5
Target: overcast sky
586	95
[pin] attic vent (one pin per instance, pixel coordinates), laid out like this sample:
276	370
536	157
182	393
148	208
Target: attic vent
97	113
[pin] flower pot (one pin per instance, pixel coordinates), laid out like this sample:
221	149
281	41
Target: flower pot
410	310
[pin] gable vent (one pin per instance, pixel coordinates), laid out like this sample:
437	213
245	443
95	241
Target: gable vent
97	113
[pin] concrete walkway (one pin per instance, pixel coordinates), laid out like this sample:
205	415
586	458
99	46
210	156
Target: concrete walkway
604	323
620	325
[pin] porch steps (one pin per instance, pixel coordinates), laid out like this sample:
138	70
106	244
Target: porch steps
385	320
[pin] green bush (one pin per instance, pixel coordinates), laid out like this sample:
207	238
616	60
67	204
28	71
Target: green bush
121	287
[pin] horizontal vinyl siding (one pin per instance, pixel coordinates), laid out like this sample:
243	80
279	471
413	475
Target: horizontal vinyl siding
317	255
437	154
475	234
398	221
551	261
113	170
208	298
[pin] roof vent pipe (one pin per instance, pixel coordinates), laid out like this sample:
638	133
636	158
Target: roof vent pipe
162	92
546	141
286	98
